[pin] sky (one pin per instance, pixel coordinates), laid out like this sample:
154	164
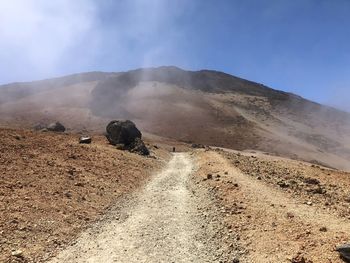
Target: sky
299	46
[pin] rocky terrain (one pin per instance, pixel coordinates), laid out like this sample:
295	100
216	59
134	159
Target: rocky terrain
281	210
206	107
68	202
315	184
52	187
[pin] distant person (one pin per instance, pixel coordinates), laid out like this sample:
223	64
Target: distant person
173	149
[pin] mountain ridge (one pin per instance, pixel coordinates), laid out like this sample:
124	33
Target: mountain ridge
208	107
107	74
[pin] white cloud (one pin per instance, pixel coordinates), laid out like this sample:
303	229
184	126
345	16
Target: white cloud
35	34
44	38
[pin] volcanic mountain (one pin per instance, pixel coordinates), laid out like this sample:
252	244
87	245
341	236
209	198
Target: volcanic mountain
207	107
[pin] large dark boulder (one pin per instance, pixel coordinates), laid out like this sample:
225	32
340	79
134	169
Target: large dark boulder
56	127
125	136
122	132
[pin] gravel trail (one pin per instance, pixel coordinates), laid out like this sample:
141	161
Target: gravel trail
167	221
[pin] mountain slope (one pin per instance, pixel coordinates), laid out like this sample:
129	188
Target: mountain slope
205	106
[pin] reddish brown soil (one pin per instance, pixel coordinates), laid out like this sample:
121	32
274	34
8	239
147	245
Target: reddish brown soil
281	210
52	187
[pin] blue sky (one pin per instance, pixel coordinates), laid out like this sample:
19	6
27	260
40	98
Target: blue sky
301	46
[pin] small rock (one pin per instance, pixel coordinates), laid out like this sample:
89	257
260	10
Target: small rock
323	229
17	137
72	156
17	253
85	139
318	190
209	176
71	172
56	127
311	181
283	184
68	194
290	215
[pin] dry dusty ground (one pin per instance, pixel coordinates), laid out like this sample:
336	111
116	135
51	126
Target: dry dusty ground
170	220
282	210
67	202
51	188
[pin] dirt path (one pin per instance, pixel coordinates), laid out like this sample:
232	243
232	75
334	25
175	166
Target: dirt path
181	216
273	225
162	223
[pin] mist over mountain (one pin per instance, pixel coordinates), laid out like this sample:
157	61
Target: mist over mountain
207	107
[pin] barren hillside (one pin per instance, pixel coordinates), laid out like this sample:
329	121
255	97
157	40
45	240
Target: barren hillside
205	107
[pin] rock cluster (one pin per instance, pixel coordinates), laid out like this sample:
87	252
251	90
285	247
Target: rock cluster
305	182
